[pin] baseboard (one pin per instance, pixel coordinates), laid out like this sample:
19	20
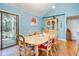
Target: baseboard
61	39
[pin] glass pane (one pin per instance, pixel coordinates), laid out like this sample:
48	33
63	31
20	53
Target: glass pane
53	25
8	30
0	30
48	25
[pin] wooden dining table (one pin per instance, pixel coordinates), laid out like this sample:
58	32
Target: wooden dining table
36	41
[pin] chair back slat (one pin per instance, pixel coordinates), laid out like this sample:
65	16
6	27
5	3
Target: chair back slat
21	40
49	44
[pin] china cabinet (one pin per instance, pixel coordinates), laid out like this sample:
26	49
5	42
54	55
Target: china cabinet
51	25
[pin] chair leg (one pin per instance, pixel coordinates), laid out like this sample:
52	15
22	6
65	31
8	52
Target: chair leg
51	52
19	52
25	52
47	52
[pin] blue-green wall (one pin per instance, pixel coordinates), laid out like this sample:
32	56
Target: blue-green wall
69	9
24	19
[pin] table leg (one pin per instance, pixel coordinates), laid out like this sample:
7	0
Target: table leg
36	50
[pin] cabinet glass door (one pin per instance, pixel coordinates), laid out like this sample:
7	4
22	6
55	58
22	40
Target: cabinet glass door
53	25
0	30
8	30
48	25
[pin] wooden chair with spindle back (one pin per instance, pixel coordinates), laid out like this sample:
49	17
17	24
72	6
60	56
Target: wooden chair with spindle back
23	47
55	44
46	46
21	43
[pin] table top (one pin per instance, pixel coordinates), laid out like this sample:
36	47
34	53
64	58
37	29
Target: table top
37	40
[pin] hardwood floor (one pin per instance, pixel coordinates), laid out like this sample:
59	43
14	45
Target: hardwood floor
69	48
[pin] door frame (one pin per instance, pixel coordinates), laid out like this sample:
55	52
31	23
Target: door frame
17	27
71	17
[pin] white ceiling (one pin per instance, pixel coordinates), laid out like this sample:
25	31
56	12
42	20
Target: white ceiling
37	9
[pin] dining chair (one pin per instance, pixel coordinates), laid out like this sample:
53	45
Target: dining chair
54	44
46	46
24	48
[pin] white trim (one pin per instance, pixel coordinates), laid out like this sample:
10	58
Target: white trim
61	39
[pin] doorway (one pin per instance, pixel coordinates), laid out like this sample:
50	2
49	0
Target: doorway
72	31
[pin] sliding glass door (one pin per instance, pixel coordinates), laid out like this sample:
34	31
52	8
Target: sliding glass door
0	30
8	29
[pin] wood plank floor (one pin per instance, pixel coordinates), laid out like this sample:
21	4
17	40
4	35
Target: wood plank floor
69	48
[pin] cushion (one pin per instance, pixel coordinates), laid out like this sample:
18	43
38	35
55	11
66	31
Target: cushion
44	46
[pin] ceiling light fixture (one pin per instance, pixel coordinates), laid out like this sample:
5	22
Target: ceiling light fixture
53	7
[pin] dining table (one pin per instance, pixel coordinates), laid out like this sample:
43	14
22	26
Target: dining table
37	40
